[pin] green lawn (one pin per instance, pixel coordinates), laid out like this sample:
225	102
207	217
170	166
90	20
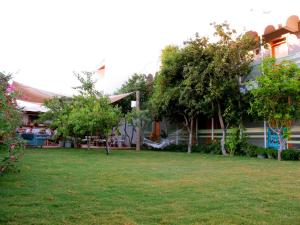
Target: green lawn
87	187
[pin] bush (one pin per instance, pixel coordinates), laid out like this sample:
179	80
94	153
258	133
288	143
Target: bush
11	151
235	141
176	148
203	148
246	149
213	148
249	150
10	119
290	154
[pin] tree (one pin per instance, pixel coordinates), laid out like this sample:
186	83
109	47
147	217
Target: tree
178	87
276	96
231	62
10	120
58	114
196	60
85	114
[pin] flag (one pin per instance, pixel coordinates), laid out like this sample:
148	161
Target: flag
100	71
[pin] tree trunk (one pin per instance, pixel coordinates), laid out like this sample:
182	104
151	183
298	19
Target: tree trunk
196	131
126	134
190	136
223	130
281	147
132	132
107	147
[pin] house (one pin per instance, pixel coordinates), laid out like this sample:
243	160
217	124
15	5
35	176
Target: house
283	43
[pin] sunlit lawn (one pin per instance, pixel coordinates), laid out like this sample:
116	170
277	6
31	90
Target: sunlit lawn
88	187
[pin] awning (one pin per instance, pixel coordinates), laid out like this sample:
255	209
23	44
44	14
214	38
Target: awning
31	106
30	94
115	98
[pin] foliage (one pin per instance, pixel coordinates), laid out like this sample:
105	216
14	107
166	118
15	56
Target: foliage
14	151
143	84
249	150
235	141
204	77
276	96
58	114
164	101
10	119
229	65
178	86
137	82
87	84
90	114
85	114
200	148
10	115
291	155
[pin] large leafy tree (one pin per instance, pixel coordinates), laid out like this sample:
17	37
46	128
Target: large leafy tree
230	64
178	86
204	77
276	96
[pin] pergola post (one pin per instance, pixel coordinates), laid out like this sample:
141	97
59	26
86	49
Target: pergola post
138	128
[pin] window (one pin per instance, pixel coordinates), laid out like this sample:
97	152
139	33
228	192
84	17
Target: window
279	48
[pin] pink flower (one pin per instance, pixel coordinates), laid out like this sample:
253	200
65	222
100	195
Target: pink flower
9	88
12	146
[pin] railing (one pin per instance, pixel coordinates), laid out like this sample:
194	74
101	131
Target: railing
255	135
295	57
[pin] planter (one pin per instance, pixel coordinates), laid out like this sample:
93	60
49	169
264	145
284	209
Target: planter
68	144
61	144
261	156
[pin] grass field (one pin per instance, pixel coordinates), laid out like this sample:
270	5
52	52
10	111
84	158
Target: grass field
87	187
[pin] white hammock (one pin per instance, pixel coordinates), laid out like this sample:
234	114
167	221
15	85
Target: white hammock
164	142
161	145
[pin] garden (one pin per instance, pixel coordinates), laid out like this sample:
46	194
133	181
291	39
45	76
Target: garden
224	181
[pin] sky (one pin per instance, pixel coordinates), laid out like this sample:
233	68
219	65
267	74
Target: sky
43	41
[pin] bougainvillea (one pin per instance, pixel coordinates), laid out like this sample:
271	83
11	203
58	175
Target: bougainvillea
10	118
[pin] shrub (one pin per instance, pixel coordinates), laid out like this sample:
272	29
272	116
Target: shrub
235	141
10	119
290	154
176	148
201	148
249	150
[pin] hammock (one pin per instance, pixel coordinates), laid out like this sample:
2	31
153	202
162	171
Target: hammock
164	142
161	145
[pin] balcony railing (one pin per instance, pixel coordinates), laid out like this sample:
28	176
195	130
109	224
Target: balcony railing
295	57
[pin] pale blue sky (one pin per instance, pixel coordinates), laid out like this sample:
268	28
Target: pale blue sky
43	41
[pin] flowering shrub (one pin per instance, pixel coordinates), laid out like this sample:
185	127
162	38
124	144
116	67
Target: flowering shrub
10	118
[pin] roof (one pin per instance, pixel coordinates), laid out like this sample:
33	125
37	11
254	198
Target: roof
30	94
277	33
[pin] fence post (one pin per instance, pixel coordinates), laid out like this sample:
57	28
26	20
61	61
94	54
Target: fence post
177	135
212	128
265	133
